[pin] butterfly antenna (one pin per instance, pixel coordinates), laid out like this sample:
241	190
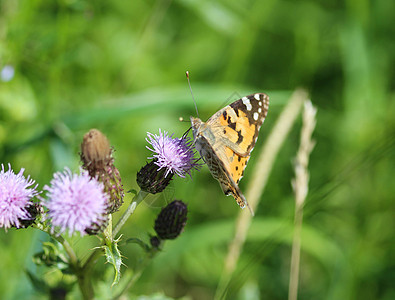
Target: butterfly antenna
190	88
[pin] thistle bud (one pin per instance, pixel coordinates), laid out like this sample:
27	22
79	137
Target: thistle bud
95	152
97	227
97	159
152	179
34	210
171	220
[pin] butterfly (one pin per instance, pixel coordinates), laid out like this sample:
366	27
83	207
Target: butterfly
226	140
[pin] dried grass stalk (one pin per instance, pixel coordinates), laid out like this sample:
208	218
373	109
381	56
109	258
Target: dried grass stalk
300	187
256	186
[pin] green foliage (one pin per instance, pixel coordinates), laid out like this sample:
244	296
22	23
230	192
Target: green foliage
120	66
114	257
52	256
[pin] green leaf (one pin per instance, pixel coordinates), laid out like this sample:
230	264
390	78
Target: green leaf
139	242
113	256
52	256
38	284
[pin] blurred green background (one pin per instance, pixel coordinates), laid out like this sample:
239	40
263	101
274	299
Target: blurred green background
119	66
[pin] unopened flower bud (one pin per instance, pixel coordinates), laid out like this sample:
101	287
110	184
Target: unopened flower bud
97	227
34	210
171	220
97	159
152	179
95	151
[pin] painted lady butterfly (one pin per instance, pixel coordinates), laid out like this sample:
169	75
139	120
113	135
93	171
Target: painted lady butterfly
226	140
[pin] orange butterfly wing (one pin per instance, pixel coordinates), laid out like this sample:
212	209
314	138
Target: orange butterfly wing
226	140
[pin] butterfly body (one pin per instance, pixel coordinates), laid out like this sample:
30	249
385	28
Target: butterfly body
226	140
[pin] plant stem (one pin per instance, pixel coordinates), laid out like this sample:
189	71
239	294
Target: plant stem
133	278
73	260
256	186
295	256
107	233
300	186
83	280
137	272
84	271
97	252
129	211
85	284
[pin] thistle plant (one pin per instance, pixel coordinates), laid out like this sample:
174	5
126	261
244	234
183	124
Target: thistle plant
75	202
16	195
97	158
81	203
173	155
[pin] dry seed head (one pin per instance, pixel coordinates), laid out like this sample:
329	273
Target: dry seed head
96	157
95	150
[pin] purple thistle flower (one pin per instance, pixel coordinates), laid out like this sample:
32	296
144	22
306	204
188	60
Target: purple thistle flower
75	201
174	154
16	193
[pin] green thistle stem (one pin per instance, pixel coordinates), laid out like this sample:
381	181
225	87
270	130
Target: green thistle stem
83	280
97	253
73	260
107	233
129	211
132	277
83	272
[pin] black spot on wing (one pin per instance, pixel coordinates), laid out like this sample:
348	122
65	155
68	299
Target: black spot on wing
232	124
240	137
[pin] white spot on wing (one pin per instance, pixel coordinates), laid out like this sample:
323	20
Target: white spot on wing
256	116
247	103
260	103
256	96
259	110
